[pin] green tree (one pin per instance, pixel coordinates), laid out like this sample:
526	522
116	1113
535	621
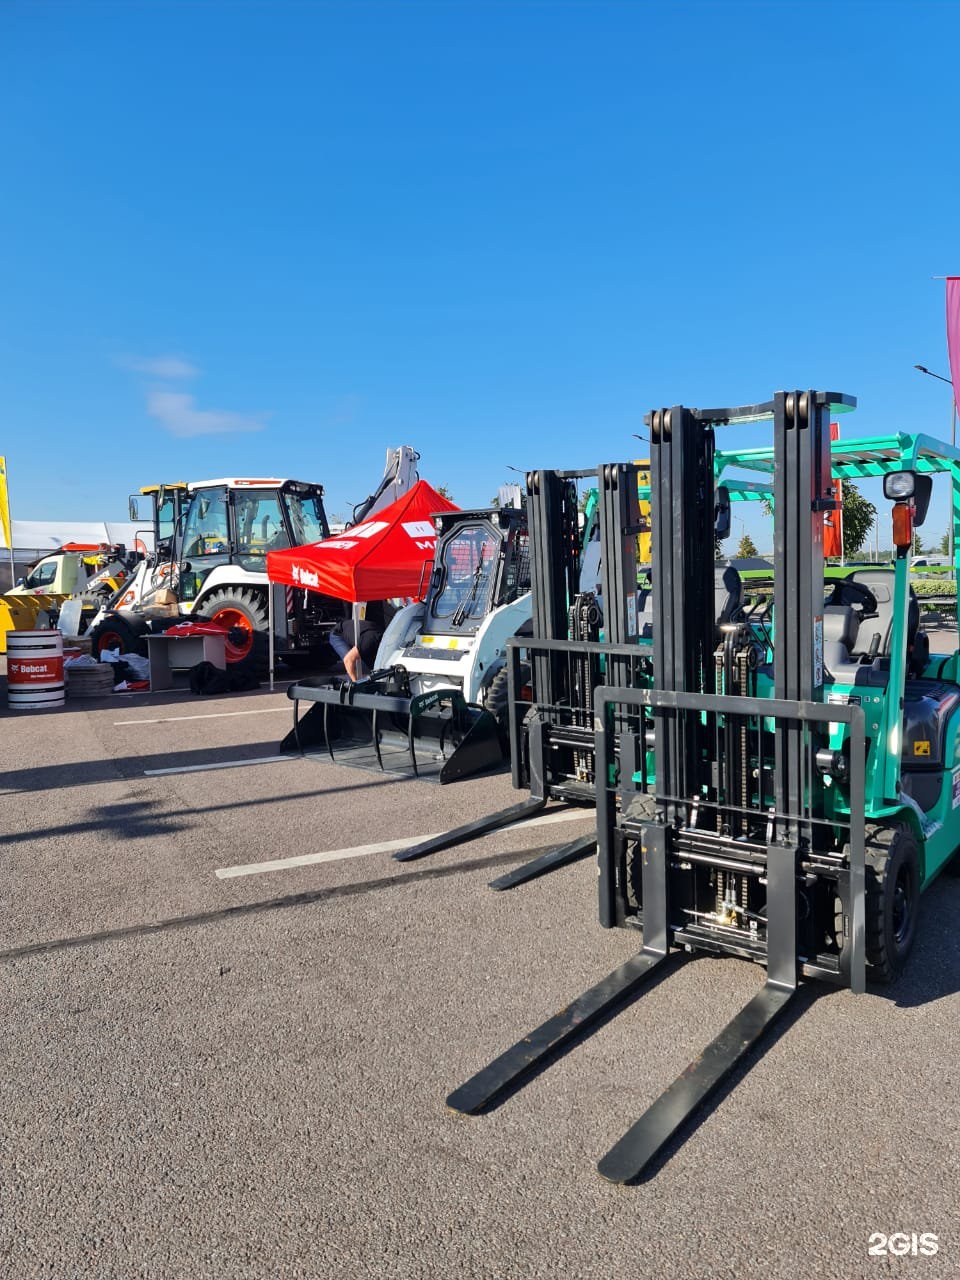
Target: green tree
917	548
858	519
444	492
746	547
945	544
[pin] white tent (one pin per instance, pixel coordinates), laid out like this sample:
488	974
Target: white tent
34	539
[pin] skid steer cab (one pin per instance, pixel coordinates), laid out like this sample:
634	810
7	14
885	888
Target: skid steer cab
436	706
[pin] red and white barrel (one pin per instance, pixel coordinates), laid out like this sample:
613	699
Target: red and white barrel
34	670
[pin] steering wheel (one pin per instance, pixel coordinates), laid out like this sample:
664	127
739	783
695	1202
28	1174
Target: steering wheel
855	594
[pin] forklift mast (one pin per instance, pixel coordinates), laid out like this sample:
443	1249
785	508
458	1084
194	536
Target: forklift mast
696	756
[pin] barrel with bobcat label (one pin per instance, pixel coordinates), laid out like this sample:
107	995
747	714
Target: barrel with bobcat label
34	670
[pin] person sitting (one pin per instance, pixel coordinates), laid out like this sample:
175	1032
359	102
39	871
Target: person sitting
359	645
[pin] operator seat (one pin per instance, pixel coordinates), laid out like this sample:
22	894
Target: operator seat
728	600
876	633
728	594
840	628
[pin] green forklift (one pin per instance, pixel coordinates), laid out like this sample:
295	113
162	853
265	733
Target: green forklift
777	783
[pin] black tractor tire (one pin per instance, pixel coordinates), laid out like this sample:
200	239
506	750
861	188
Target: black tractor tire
244	612
496	700
892	899
118	632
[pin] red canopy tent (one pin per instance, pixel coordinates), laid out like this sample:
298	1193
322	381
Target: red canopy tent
379	559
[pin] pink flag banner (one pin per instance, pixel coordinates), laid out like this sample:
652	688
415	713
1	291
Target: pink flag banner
953	331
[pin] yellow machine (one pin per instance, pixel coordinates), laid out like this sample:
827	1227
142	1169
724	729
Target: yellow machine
643	484
25	613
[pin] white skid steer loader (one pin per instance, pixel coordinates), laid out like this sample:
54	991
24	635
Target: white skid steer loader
436	705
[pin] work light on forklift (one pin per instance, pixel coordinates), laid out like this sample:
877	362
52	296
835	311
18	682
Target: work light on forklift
910	493
899	485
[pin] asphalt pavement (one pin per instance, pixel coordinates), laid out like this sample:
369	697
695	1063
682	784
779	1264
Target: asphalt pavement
218	1062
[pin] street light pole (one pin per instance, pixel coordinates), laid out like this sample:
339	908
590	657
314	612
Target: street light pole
953	442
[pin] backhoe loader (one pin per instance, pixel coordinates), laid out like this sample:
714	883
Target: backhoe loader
212	538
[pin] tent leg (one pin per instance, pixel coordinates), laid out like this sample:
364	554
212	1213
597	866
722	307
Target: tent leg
270	627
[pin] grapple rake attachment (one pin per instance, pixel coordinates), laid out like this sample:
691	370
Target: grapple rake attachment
436	737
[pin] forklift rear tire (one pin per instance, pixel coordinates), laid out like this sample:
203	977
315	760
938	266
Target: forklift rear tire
892	899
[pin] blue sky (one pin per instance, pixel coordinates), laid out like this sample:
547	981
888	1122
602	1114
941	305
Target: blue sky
278	238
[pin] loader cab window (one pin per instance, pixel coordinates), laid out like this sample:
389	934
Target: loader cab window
166	518
206	532
307	519
470	560
260	528
41	576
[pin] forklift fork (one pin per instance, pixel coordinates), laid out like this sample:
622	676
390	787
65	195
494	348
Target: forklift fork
632	1155
629	1158
582	847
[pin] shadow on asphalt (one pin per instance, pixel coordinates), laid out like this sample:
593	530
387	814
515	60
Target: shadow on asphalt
143	818
137	819
83	773
304	899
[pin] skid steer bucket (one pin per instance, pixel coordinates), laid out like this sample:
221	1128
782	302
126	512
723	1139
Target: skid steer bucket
436	736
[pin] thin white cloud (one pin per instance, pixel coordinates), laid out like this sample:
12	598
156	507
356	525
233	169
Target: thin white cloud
346	410
177	411
168	366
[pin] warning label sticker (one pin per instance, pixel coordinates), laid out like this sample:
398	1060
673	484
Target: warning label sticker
818	650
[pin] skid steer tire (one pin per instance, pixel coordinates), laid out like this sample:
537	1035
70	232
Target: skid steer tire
118	632
892	899
496	700
244	614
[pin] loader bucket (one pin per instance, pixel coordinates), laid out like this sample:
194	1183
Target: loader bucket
435	737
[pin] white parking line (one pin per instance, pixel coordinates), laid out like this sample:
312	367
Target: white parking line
211	715
384	846
219	764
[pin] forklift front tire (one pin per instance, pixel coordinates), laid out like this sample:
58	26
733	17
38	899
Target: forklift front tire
892	899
